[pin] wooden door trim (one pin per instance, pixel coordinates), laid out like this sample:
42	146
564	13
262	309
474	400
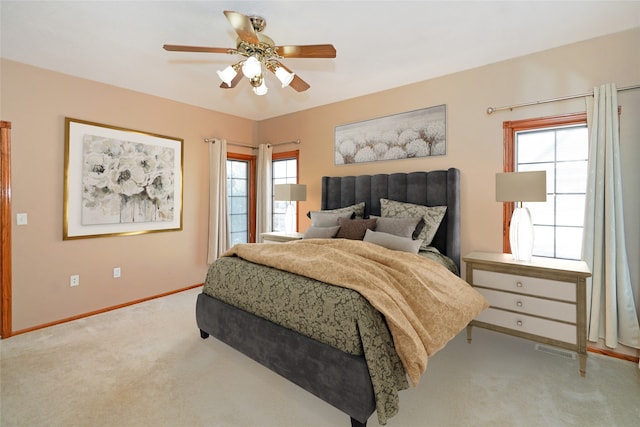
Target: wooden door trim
5	229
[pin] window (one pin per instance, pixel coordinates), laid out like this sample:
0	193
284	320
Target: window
241	193
241	197
559	146
284	171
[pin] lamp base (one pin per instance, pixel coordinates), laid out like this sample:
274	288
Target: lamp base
290	219
521	234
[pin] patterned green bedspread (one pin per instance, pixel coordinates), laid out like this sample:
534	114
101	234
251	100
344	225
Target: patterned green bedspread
336	316
434	254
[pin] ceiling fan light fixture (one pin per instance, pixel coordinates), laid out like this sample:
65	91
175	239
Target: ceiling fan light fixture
259	52
251	67
284	76
256	80
262	89
227	75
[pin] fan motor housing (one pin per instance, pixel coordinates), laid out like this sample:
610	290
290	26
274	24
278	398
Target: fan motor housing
258	23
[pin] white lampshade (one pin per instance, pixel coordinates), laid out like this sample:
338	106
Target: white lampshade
227	75
290	192
251	67
262	89
284	76
521	187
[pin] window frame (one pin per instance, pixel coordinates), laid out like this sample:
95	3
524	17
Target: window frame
251	193
288	155
509	130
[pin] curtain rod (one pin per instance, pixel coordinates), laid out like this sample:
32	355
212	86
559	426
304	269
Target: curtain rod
491	110
238	144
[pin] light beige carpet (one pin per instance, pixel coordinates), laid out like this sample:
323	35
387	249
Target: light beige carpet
146	365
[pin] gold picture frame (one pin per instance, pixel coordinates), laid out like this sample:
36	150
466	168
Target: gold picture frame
119	181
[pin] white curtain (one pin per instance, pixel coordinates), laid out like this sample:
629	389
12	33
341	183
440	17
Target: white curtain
219	240
611	312
263	191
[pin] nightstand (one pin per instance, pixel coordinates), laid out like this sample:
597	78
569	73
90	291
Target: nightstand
543	300
280	237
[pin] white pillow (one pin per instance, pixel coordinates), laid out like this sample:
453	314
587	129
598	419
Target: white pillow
321	232
403	227
393	242
328	219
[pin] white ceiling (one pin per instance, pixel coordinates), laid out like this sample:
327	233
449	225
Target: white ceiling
380	44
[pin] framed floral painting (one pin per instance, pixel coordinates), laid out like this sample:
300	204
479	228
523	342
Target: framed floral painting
120	181
419	133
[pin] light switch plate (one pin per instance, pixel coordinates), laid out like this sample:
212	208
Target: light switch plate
21	219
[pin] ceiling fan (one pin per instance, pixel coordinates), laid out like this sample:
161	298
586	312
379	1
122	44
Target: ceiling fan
260	52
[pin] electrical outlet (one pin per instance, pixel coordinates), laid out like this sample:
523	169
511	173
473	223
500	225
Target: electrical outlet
74	280
116	272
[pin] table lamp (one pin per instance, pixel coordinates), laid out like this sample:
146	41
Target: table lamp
521	187
290	193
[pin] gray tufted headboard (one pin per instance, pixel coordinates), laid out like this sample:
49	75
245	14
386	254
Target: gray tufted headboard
435	188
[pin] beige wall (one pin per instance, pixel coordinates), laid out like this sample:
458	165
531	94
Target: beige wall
474	138
36	102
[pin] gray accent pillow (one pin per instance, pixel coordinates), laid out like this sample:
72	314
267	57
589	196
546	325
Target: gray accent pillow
432	216
357	209
354	229
328	219
391	241
404	227
321	232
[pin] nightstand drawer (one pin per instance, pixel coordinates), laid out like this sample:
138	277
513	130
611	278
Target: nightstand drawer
555	289
531	325
563	311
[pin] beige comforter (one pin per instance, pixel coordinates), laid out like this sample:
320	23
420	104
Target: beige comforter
424	304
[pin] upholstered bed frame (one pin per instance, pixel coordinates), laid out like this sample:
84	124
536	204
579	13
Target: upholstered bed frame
436	188
336	377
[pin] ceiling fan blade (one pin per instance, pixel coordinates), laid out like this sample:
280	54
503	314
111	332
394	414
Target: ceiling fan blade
298	84
242	25
180	48
307	51
234	82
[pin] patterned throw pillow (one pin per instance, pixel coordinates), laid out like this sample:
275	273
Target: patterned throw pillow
432	216
357	209
354	229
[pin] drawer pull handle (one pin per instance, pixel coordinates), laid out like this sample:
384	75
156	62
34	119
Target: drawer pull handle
519	323
519	303
519	284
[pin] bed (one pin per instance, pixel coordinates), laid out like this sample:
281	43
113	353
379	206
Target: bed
361	372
